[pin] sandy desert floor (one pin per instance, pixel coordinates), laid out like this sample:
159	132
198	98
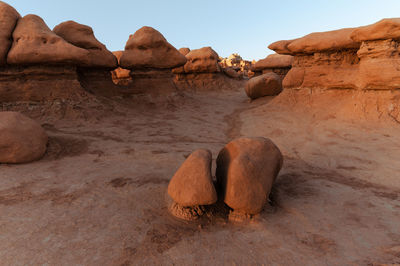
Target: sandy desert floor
98	197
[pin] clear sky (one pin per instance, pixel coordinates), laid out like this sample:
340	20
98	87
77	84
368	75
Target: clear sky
245	27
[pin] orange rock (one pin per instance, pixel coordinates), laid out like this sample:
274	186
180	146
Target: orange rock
268	84
203	60
184	50
8	19
148	48
120	73
22	139
246	171
388	28
323	41
82	36
274	61
35	43
192	184
281	47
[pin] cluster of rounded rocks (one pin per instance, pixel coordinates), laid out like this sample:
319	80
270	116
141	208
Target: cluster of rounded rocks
246	170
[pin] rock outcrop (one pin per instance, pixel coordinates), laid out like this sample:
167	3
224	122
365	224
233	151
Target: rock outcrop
268	84
184	50
276	63
203	72
22	139
8	20
82	36
355	59
235	62
121	76
192	184
150	57
246	170
35	43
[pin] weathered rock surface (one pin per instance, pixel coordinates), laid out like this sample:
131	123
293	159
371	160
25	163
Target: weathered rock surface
203	60
147	48
184	50
246	171
268	84
82	36
35	43
192	184
22	139
8	20
281	47
353	58
120	75
274	63
388	28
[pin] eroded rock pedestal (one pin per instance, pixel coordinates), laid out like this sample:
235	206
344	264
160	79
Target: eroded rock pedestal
202	72
363	61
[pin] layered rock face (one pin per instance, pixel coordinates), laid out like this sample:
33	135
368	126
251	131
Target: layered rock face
359	60
43	65
203	72
150	57
353	58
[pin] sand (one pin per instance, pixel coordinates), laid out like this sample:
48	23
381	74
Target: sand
99	196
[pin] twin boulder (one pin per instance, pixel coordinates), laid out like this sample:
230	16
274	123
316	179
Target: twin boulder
246	170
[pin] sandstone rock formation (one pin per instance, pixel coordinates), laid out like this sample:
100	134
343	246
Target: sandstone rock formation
276	63
235	62
22	139
203	60
192	184
121	76
147	48
8	20
150	57
268	84
203	72
354	59
184	50
35	43
82	36
246	170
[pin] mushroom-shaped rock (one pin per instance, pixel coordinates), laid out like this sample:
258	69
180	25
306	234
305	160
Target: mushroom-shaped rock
274	61
268	84
147	48
8	19
82	36
246	171
35	43
335	40
388	28
203	60
184	50
192	184
21	138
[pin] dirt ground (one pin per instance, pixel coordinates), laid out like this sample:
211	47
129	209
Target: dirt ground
98	197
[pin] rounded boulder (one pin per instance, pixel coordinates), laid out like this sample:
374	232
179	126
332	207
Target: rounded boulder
22	139
192	184
246	171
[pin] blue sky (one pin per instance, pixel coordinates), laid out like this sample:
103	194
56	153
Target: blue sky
245	27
